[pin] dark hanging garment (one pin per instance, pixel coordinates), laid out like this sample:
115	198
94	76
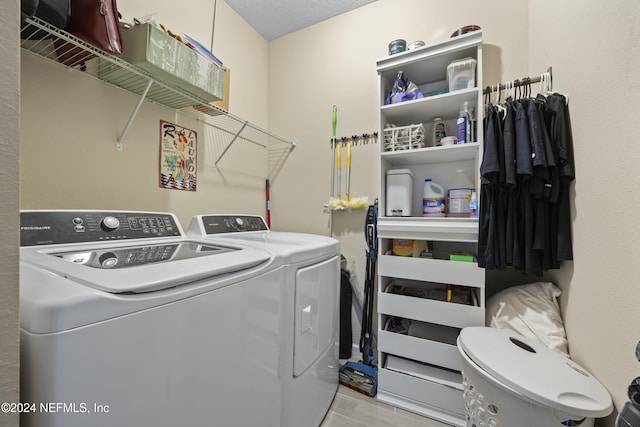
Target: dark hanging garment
500	210
536	259
484	255
530	170
524	218
562	138
537	142
489	179
509	186
524	173
552	189
546	243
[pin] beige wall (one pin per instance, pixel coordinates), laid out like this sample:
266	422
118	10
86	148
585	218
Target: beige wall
334	62
289	86
9	220
71	123
594	48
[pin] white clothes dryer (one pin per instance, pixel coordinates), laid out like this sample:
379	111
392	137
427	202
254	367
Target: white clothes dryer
125	322
310	300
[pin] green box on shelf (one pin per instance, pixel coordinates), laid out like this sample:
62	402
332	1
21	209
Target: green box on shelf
150	49
461	257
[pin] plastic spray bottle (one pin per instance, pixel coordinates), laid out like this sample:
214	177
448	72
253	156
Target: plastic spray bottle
463	124
473	205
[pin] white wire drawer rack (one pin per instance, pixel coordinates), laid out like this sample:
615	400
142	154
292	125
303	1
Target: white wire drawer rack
41	39
400	138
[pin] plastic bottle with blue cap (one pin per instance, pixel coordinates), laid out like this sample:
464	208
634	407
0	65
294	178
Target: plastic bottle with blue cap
433	200
463	124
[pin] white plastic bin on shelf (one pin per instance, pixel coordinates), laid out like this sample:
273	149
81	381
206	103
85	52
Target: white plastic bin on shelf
510	380
399	192
461	74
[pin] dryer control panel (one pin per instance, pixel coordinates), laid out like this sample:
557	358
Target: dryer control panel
56	227
219	224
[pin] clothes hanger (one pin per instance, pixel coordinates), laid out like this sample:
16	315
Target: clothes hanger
545	84
487	95
546	79
509	89
502	111
549	81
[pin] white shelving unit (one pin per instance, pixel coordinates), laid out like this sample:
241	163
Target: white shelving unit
421	372
138	81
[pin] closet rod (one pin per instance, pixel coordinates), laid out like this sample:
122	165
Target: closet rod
517	83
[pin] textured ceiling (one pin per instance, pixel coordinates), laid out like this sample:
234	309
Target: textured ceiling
275	18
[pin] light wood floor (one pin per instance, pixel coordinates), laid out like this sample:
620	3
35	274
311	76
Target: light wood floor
353	409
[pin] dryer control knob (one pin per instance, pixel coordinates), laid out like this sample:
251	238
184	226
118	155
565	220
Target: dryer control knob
240	222
108	260
110	223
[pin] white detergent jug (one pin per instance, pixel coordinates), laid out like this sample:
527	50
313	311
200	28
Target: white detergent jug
433	199
459	195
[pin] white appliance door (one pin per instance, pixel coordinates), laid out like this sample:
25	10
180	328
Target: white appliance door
316	312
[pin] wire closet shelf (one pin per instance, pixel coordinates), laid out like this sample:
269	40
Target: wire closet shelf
42	39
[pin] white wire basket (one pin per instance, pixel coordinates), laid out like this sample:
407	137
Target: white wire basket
401	138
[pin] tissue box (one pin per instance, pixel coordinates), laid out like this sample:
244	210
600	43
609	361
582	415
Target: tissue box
461	74
150	49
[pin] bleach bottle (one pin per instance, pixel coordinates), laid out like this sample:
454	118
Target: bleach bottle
433	199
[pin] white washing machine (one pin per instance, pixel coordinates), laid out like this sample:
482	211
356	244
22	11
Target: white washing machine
311	277
125	322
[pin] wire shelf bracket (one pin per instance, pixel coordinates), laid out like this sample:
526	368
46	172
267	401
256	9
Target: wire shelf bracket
42	39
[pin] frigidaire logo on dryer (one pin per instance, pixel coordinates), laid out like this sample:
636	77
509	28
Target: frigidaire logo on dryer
35	228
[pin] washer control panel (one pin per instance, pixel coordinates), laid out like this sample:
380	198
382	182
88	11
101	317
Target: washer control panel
219	224
55	227
131	256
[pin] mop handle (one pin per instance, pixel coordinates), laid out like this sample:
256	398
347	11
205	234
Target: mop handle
339	168
348	183
334	121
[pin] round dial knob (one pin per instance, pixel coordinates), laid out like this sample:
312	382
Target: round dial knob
240	222
110	223
108	260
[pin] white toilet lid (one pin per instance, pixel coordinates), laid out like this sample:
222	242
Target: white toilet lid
535	371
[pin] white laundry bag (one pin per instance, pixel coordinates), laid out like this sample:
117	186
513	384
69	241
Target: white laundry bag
531	310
